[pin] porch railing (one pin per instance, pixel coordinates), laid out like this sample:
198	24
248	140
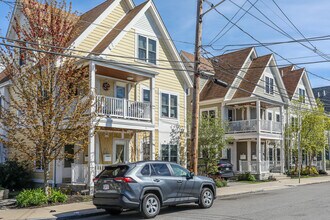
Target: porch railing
252	166
252	125
80	172
122	108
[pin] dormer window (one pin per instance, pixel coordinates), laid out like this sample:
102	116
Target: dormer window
269	85
147	50
302	95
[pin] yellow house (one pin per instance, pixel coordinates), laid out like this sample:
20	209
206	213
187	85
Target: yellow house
140	85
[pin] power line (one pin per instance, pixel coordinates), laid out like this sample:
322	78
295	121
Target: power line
215	39
85	51
127	31
316	50
321	77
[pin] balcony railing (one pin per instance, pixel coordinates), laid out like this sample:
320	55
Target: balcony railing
122	108
252	125
80	172
252	166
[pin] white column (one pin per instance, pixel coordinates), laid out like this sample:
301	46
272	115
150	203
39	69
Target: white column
234	156
267	150
223	112
249	155
258	116
324	162
152	145
91	136
152	100
259	159
282	141
248	114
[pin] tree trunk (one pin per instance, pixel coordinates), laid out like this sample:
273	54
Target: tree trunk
46	177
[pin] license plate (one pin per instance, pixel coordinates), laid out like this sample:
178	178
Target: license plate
106	187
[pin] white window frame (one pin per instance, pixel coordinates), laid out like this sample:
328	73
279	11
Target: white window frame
277	114
160	105
268	113
299	95
271	92
148	37
121	84
142	89
208	110
169	151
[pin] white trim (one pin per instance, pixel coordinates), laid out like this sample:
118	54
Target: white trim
207	110
136	47
211	101
160	106
98	20
143	87
120	141
123	85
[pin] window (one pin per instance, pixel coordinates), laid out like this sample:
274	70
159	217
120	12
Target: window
145	170
120	92
69	155
169	106
170	153
208	114
269	88
270	116
278	118
147	50
146	95
302	95
230	115
160	169
179	171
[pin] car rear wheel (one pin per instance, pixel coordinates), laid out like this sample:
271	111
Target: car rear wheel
114	211
150	206
206	198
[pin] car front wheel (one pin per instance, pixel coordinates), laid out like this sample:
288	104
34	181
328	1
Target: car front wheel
150	206
206	198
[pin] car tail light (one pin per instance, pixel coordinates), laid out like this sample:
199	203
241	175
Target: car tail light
124	179
96	179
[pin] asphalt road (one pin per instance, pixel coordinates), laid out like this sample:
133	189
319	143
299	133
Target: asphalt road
303	202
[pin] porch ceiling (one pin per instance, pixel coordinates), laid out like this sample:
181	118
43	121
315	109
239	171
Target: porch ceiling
262	104
119	74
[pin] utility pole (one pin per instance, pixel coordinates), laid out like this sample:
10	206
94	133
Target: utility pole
195	104
299	143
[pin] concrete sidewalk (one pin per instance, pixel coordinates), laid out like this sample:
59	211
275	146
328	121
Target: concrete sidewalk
85	209
237	188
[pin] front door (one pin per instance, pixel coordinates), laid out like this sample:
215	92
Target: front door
120	151
69	159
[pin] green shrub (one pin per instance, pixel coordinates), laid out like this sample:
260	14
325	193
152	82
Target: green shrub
15	175
57	196
246	177
32	197
220	183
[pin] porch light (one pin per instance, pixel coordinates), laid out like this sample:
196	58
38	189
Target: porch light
130	78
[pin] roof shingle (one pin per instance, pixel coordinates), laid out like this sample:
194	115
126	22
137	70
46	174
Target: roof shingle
291	79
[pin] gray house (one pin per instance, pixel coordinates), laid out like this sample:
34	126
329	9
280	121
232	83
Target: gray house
323	93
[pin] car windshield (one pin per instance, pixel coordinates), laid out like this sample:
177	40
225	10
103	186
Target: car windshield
113	172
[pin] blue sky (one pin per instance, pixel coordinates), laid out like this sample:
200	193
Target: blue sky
179	16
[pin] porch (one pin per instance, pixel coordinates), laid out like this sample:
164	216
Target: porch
124	96
258	156
253	117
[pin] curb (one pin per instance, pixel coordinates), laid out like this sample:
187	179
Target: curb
83	215
238	194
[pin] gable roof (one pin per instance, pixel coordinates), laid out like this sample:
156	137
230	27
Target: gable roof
291	79
252	76
206	64
117	29
89	17
225	67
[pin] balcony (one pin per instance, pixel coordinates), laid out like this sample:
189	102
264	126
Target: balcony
122	108
248	126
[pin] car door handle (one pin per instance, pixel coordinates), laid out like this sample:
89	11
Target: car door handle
180	181
156	180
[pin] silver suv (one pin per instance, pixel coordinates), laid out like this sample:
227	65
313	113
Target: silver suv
148	185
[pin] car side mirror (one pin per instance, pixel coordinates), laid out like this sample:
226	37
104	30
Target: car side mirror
190	175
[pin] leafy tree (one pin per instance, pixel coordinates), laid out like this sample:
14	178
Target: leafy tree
211	141
49	98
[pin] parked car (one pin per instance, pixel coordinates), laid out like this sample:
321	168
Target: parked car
225	169
149	185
